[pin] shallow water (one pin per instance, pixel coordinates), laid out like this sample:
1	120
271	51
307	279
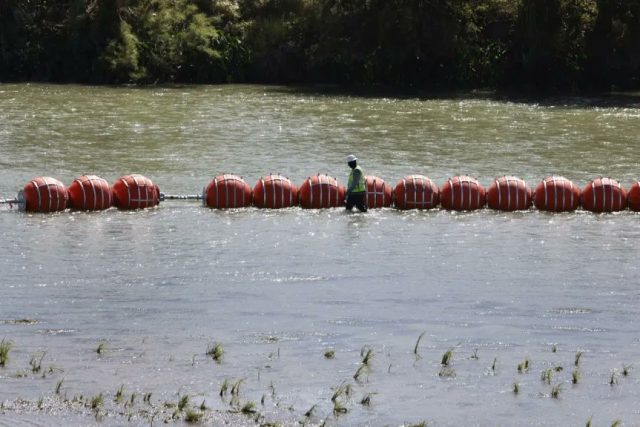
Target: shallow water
280	288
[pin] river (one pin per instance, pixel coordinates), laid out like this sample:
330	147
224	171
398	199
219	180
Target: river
134	300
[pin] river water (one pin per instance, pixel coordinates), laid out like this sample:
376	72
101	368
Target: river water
155	289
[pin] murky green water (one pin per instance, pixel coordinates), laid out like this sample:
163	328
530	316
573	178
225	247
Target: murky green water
280	288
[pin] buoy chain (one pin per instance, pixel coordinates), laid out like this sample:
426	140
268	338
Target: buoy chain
164	197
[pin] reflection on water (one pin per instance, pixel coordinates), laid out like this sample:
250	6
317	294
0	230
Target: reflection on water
280	288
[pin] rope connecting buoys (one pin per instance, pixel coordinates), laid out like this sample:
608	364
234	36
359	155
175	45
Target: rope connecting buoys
274	192
416	192
44	194
462	193
90	193
227	192
135	192
509	193
378	192
557	194
321	191
604	195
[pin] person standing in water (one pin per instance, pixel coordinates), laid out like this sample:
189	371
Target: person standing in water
356	189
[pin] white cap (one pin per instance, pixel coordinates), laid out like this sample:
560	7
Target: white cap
351	158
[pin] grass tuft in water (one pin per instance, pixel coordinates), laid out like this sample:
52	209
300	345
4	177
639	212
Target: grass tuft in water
183	402
249	408
366	399
362	369
309	413
546	376
576	360
203	407
415	348
235	388
616	423
524	366
119	397
575	376
192	416
96	401
474	355
329	354
554	349
555	391
588	424
147	398
366	359
339	391
102	347
339	408
625	370
447	357
493	366
418	424
516	388
36	361
59	386
613	380
216	352
224	388
5	348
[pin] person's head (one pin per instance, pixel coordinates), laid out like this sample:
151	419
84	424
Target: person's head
352	161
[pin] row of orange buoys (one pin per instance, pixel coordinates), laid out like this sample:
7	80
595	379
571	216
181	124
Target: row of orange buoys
460	193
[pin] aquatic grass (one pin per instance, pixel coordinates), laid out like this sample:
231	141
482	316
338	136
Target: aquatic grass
447	357
558	368
366	399
575	376
524	366
329	354
555	391
224	388
147	398
339	408
309	413
474	355
183	402
616	423
119	396
366	357
59	386
36	361
493	366
362	369
192	416
216	352
248	408
339	391
516	388
20	374
613	380
419	424
5	349
546	376
554	349
96	401
102	347
625	370
235	388
576	360
588	424
415	348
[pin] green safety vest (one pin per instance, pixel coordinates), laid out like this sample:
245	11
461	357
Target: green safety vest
360	185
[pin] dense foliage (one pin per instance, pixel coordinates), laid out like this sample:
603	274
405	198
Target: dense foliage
425	44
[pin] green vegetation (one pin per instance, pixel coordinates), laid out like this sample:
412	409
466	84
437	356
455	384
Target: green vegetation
567	45
5	348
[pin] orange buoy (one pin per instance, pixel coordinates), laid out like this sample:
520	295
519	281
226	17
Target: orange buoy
509	193
416	192
604	195
90	193
462	193
274	192
45	194
633	197
135	192
227	192
557	194
378	192
321	191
